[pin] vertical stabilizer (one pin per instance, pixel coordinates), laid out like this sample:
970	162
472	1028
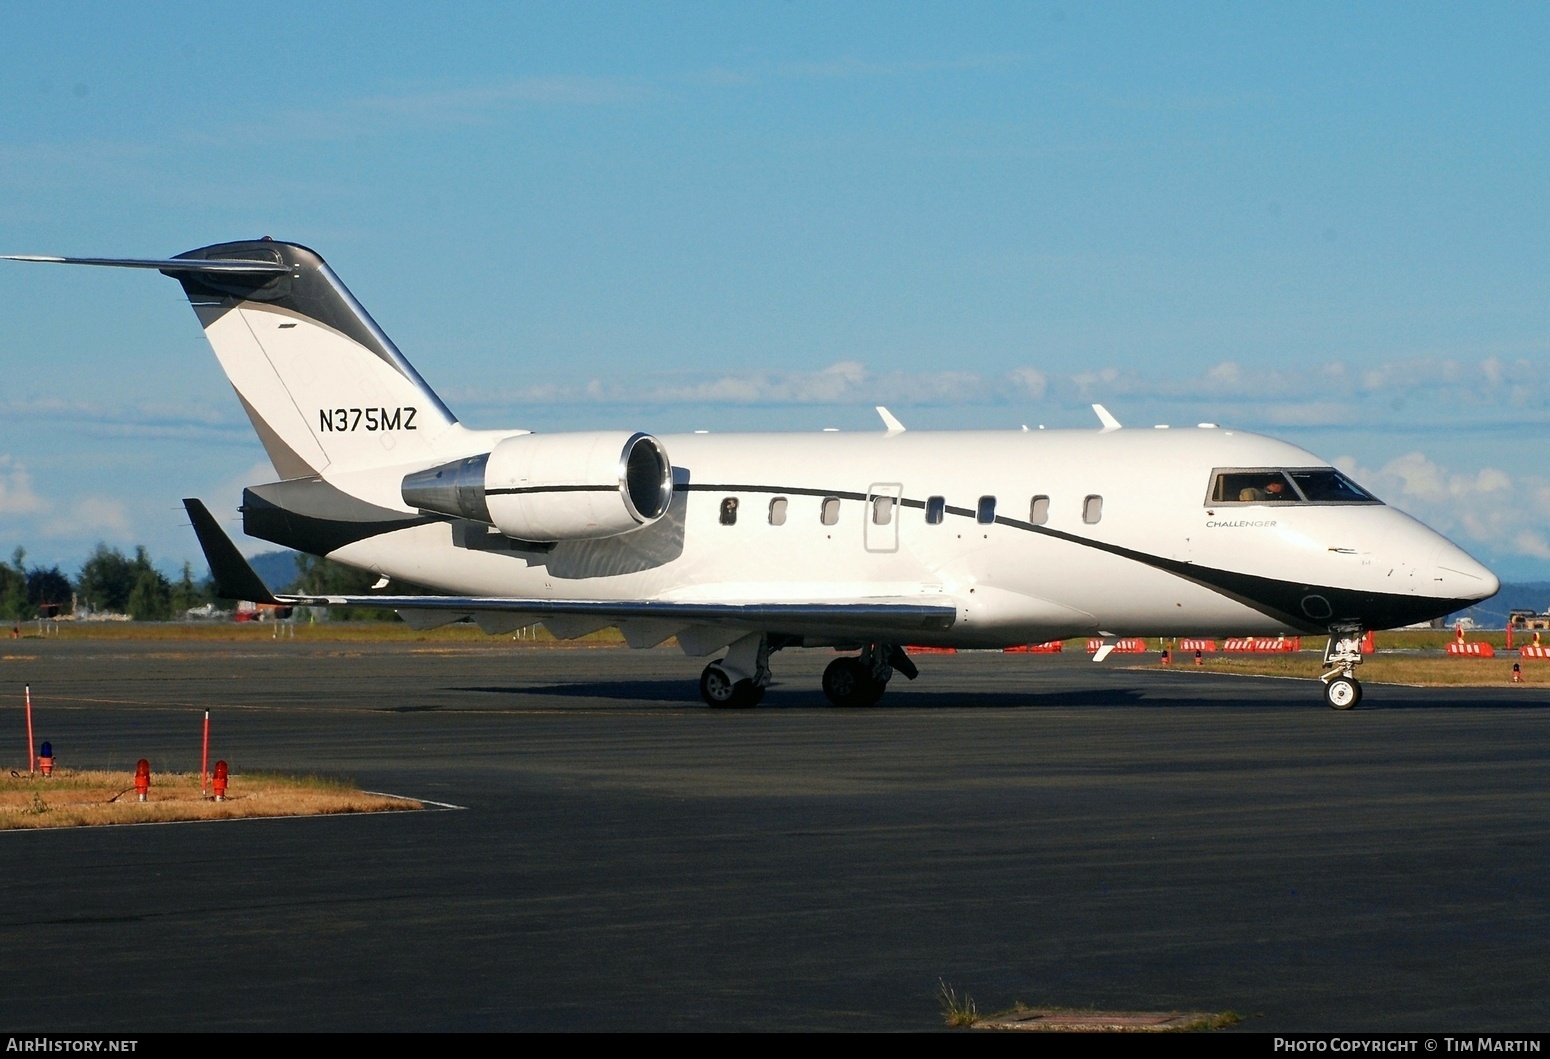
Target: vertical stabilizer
323	386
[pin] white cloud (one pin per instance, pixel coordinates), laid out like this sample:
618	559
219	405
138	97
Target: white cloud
1422	392
1032	381
1531	543
1488	508
16	493
190	421
1226	373
90	516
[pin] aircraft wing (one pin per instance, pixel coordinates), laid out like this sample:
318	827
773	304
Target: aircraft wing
235	579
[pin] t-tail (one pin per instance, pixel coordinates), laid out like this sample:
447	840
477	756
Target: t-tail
325	388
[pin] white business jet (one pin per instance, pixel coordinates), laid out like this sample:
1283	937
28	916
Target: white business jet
740	545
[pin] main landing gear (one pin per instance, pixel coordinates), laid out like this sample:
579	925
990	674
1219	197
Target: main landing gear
738	680
861	681
1342	691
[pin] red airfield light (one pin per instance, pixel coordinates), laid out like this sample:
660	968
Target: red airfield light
142	777
221	773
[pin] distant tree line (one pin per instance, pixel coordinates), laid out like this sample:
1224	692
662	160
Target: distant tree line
110	581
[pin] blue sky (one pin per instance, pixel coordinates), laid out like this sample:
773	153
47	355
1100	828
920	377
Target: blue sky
1326	222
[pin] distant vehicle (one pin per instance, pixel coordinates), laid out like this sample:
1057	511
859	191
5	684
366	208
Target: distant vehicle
744	544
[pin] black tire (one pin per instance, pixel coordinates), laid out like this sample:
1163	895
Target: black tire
847	682
721	692
1343	693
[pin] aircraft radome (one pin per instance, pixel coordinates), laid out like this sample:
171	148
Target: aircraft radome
741	545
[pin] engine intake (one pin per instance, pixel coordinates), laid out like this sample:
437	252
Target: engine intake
553	487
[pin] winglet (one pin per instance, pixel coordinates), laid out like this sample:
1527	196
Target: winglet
234	578
1106	418
890	421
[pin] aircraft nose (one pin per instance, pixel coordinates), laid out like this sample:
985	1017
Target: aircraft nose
1457	575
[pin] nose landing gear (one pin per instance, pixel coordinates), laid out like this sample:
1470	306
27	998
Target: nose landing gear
738	680
1342	691
722	690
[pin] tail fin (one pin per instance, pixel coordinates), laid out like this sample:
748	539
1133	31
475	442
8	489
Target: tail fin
320	381
323	386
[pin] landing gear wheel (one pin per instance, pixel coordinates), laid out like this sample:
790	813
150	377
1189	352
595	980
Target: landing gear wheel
848	682
1342	693
720	691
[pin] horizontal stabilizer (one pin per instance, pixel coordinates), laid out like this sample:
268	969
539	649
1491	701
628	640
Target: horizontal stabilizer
176	264
234	578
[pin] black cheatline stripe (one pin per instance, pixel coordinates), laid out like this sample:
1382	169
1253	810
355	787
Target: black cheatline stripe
1246	589
839	494
553	489
1178	568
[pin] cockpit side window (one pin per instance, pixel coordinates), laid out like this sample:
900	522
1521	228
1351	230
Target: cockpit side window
1252	487
1294	485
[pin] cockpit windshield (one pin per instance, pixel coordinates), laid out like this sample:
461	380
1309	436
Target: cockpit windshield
1329	486
1293	485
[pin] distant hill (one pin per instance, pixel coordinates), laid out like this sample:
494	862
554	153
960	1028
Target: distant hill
276	569
1527	595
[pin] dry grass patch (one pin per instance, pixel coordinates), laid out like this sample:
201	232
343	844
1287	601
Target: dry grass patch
1386	669
1085	1020
78	799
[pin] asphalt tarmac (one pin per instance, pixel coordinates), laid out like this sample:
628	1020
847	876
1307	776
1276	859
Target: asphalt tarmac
1025	828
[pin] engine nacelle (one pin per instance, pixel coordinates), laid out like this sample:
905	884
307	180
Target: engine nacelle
553	487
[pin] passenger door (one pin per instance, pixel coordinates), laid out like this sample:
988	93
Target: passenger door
881	517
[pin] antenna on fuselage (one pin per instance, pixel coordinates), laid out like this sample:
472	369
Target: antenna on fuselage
890	421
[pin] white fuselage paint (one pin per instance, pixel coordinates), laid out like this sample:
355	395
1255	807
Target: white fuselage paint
1010	585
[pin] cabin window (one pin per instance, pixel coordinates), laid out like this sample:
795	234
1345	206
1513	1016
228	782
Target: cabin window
729	511
985	510
935	506
1092	510
829	514
1038	511
882	510
778	511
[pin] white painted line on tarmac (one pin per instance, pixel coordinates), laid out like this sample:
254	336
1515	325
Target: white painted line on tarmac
411	798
